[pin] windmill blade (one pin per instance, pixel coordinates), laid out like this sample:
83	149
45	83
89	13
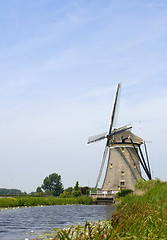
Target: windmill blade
121	129
102	136
146	168
102	164
114	107
110	130
97	138
141	160
147	157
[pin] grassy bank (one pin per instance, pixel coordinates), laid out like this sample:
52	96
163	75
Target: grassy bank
10	202
137	217
143	217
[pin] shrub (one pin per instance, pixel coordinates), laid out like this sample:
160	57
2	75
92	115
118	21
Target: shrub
65	194
146	185
76	193
85	190
124	192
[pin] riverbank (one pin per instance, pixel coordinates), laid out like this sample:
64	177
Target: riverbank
13	202
137	217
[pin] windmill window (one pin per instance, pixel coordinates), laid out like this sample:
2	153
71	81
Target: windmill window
134	165
122	183
111	165
123	149
122	173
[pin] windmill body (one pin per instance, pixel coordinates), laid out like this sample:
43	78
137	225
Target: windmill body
123	168
125	156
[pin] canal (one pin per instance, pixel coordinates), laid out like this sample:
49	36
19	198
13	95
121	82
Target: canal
20	223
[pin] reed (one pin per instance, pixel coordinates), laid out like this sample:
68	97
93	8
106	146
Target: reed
143	217
10	202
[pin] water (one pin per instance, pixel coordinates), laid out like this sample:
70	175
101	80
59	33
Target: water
16	224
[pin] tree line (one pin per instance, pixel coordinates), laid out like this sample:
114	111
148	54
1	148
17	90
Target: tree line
10	192
51	186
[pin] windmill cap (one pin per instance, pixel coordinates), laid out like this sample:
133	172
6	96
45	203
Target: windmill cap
126	136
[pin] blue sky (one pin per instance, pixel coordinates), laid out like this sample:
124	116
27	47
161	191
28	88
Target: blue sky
60	63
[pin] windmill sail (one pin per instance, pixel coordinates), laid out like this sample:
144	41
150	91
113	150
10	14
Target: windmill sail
96	138
109	133
102	136
121	129
115	105
148	164
102	165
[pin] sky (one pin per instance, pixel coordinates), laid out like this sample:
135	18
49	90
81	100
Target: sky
60	62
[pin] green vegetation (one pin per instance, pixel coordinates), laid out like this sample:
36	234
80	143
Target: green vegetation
52	185
28	201
76	192
146	185
137	217
50	193
5	191
143	217
124	192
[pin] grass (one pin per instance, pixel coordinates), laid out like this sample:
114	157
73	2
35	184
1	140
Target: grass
10	202
137	217
143	217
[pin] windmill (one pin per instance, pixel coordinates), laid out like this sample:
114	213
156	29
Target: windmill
125	155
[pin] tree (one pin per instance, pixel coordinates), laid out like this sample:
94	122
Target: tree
77	192
6	191
39	190
53	184
69	189
76	187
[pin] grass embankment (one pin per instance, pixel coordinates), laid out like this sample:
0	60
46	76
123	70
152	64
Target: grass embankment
11	202
137	217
